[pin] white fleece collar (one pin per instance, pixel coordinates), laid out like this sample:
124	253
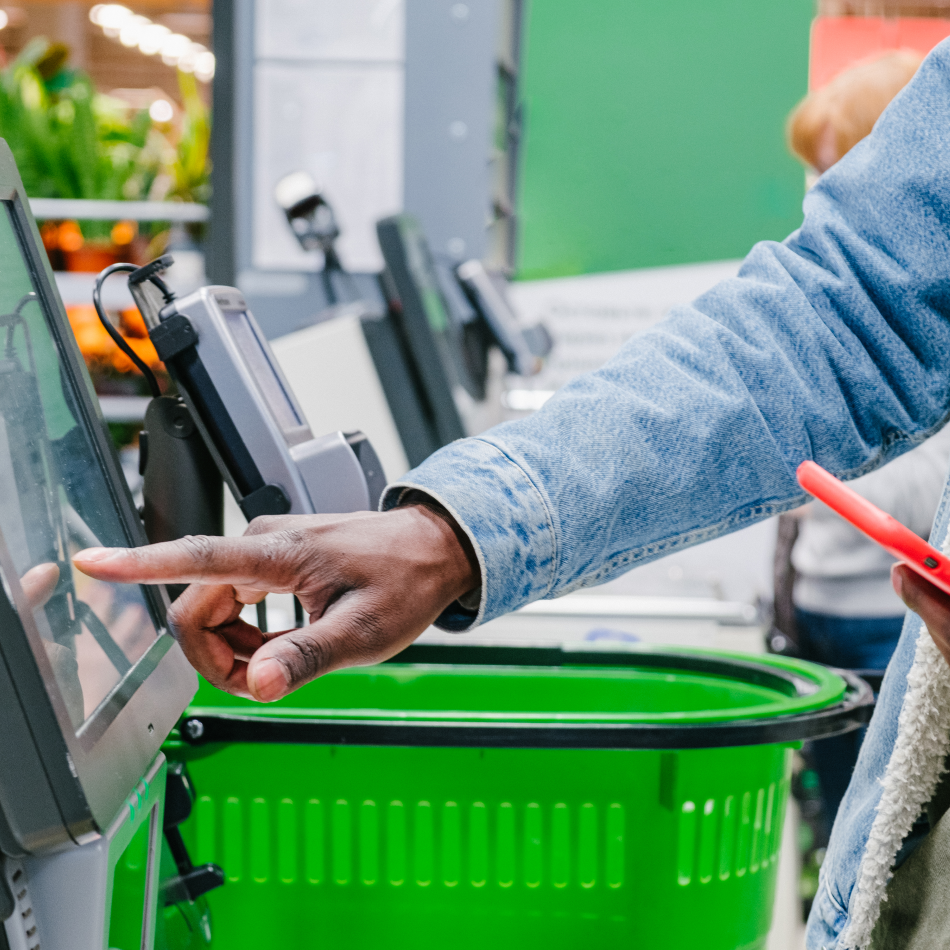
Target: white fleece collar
914	769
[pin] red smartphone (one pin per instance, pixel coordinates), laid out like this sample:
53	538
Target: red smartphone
906	546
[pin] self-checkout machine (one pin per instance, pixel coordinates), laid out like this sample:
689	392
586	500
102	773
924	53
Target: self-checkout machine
422	361
91	681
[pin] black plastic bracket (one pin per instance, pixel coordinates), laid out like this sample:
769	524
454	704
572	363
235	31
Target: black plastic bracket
158	266
266	500
173	336
192	884
179	795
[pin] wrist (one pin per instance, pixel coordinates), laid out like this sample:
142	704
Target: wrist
455	554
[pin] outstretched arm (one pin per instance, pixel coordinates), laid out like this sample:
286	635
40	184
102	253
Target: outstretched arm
832	346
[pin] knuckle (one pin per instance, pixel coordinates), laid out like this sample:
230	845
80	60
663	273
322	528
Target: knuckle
304	657
364	638
294	537
181	612
274	550
372	635
199	548
174	619
294	548
358	640
264	524
292	543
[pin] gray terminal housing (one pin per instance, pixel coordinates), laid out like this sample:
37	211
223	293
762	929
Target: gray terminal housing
62	786
250	418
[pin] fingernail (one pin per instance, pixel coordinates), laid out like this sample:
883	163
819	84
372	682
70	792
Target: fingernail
270	680
96	554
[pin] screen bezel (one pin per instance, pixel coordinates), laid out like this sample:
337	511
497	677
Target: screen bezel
113	748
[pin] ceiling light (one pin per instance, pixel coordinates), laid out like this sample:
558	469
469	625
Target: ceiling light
204	66
161	110
4	19
187	60
110	16
173	47
152	38
132	30
176	49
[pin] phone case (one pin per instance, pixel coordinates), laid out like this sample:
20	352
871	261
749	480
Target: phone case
906	546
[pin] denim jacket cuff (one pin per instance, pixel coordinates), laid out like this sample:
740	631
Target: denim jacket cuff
514	543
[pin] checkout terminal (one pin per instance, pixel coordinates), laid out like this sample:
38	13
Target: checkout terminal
91	682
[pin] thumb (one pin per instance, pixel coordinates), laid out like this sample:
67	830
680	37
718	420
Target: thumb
930	603
344	636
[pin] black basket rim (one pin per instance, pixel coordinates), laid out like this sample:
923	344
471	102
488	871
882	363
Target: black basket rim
853	710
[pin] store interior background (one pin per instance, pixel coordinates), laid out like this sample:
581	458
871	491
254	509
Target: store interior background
614	159
644	154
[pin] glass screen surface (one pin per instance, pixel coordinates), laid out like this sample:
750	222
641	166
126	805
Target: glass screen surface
55	500
259	363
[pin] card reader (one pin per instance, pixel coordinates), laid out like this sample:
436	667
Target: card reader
245	409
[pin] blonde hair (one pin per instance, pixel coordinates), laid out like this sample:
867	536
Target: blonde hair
829	122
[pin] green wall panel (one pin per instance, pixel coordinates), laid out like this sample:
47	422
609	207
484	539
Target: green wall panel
654	131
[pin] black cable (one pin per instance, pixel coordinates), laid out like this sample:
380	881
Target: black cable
162	286
117	337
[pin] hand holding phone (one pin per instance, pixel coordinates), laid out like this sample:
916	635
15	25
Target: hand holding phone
906	546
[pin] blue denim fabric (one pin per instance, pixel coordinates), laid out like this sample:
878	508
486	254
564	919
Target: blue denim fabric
833	345
853	643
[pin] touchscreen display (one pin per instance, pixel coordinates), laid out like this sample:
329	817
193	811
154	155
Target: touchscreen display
54	501
259	362
423	273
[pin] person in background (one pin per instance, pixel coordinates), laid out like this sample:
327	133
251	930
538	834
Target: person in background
830	121
834	598
846	613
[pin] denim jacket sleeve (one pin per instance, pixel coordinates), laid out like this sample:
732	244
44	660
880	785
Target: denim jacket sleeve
832	345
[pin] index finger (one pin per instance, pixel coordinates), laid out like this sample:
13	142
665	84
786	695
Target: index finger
242	562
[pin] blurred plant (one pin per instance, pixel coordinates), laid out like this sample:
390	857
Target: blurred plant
192	168
188	176
68	141
71	142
